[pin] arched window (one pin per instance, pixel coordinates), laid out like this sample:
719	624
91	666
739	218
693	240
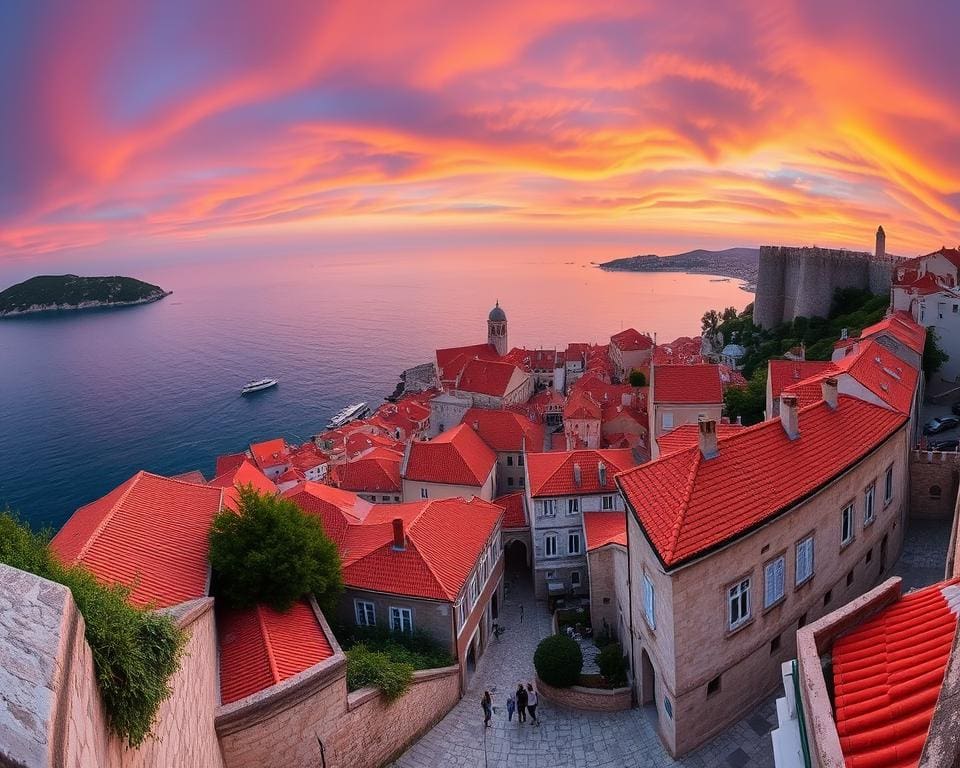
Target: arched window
935	491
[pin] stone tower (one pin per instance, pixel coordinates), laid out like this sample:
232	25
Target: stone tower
497	329
881	251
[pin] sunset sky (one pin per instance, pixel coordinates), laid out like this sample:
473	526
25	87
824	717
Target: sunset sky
157	127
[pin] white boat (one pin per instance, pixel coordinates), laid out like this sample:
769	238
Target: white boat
348	414
256	386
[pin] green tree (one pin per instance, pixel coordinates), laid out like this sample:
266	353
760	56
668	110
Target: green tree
272	552
749	402
710	321
558	661
933	355
730	313
638	378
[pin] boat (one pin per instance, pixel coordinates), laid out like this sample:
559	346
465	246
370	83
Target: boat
348	414
257	386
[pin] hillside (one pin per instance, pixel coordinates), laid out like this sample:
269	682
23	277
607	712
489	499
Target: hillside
739	263
66	292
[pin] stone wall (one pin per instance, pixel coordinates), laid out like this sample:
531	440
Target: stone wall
285	725
934	482
591	699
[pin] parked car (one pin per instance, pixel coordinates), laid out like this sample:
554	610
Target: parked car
936	426
944	445
956	408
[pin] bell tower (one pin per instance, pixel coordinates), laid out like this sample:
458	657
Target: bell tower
497	329
881	251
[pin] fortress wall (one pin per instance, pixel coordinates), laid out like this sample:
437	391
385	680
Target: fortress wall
768	304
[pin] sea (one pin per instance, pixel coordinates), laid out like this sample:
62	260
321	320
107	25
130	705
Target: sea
88	398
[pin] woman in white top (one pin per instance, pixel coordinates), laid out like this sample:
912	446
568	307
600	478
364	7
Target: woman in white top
532	702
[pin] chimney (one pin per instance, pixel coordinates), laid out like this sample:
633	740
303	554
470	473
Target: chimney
829	387
708	437
476	426
602	472
789	416
399	540
577	475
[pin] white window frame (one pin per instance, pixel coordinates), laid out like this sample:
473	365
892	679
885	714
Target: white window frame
804	560
667	420
870	504
424	493
607	503
738	603
550	542
649	603
774	581
548	507
573	506
461	614
847	520
574	536
888	485
474	590
365	613
405	617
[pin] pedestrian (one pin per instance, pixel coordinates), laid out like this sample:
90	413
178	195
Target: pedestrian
487	706
532	699
511	707
521	703
521	613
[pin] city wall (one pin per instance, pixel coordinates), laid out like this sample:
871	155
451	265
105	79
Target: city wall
800	282
934	483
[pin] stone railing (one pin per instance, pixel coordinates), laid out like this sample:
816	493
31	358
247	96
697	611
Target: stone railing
591	699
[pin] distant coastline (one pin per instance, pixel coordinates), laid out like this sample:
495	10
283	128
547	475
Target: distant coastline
68	293
735	263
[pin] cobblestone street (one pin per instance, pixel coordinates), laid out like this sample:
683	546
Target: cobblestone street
566	737
924	553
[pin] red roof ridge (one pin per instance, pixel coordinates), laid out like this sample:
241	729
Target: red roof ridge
266	644
411	541
111	512
691	478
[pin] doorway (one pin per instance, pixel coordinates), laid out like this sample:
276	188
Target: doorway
516	556
648	680
883	554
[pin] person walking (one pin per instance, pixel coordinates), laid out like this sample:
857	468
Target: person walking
487	706
511	707
521	703
532	700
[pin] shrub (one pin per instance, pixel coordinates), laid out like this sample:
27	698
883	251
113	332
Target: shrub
419	649
638	378
613	665
376	668
272	552
135	651
558	661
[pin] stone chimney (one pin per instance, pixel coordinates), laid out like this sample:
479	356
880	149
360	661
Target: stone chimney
829	387
577	475
789	416
708	437
399	540
602	472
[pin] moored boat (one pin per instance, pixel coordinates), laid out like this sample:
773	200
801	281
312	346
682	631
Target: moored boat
348	414
258	385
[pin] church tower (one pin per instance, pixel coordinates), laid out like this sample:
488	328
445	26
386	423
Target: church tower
497	329
881	251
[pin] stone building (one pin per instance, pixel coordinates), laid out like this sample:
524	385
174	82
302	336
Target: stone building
511	435
736	542
630	350
497	330
455	463
682	394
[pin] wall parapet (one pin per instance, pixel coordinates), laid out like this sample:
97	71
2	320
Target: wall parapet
590	699
361	696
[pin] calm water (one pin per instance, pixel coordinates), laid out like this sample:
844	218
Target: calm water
88	398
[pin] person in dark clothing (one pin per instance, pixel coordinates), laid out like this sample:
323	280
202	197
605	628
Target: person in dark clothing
487	706
521	703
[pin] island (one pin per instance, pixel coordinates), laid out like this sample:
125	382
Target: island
47	293
740	263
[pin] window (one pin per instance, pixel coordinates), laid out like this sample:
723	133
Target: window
775	645
773	578
804	559
522	481
849	577
713	686
519	459
401	620
738	603
606	503
461	614
424	494
573	543
828	597
802	620
550	545
547	508
870	554
935	492
888	486
846	525
868	513
384	498
509	461
575	578
649	602
510	481
366	613
573	506
668	420
474	590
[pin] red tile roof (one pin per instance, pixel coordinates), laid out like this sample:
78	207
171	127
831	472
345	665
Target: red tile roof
631	340
308	457
260	647
228	462
552	474
602	528
455	457
360	442
270	453
693	384
682	351
378	472
902	327
515	515
887	675
505	430
688	436
150	532
452	360
580	405
244	473
687	505
785	373
193	476
486	377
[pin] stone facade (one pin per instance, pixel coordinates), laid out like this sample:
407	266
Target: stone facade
934	482
608	567
665	417
700	674
419	490
511	475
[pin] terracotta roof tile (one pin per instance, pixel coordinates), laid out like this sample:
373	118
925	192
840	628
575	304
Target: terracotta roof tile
270	453
515	515
452	360
688	436
504	430
687	384
786	373
687	505
455	457
580	405
486	377
244	473
902	327
631	340
552	474
602	528
378	473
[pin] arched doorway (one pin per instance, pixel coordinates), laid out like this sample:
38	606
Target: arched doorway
648	680
515	557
